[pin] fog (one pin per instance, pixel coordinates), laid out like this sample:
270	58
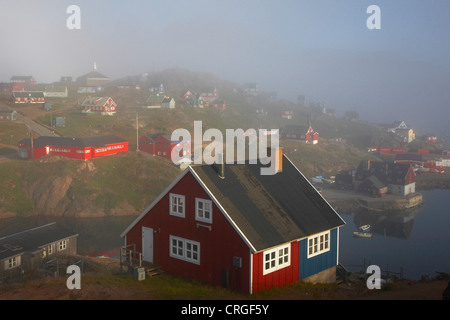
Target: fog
321	49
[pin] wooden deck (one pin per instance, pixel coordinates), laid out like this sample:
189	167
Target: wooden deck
131	259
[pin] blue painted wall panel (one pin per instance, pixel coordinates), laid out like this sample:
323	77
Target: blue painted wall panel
321	262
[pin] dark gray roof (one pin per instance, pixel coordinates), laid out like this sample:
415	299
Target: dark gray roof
294	129
32	240
92	75
270	209
386	172
26	94
95	142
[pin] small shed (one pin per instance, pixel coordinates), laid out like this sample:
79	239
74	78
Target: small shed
8	115
46	106
59	121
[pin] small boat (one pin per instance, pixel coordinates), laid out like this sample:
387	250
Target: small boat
364	234
365	227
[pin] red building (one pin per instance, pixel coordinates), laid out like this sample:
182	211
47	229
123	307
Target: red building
160	144
233	227
23	79
28	97
75	148
99	105
304	134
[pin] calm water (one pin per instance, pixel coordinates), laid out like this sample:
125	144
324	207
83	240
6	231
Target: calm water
417	240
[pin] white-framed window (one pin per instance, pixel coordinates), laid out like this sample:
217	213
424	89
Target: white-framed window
12	262
51	249
184	249
176	205
203	210
318	244
277	258
62	245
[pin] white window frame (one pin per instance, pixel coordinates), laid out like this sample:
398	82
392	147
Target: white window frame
12	262
318	244
177	213
276	258
200	213
62	245
183	249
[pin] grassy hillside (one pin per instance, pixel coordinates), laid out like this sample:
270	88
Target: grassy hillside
123	184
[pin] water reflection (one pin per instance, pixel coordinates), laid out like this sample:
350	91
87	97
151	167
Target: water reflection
398	224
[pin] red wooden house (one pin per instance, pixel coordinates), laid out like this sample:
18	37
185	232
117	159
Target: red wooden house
231	226
28	97
75	148
304	134
160	144
99	105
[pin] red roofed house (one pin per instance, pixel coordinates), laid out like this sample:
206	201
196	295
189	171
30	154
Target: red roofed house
228	225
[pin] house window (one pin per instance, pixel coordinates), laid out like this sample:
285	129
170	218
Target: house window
62	245
203	210
318	244
177	205
12	262
184	249
276	259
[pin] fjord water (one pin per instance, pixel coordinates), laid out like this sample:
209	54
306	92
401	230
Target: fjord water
417	240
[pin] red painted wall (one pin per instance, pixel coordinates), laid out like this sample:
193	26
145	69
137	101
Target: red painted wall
278	278
73	154
217	246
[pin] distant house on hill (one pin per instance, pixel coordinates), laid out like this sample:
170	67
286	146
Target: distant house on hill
55	92
287	114
168	103
160	144
299	133
8	115
28	97
26	251
159	101
208	97
399	178
74	148
92	79
24	80
99	105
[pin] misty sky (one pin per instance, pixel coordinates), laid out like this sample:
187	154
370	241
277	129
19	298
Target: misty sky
319	48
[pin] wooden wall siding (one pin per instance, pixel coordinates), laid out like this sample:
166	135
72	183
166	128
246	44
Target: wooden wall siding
276	278
316	264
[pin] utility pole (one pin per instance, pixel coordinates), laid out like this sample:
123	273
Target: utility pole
137	133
